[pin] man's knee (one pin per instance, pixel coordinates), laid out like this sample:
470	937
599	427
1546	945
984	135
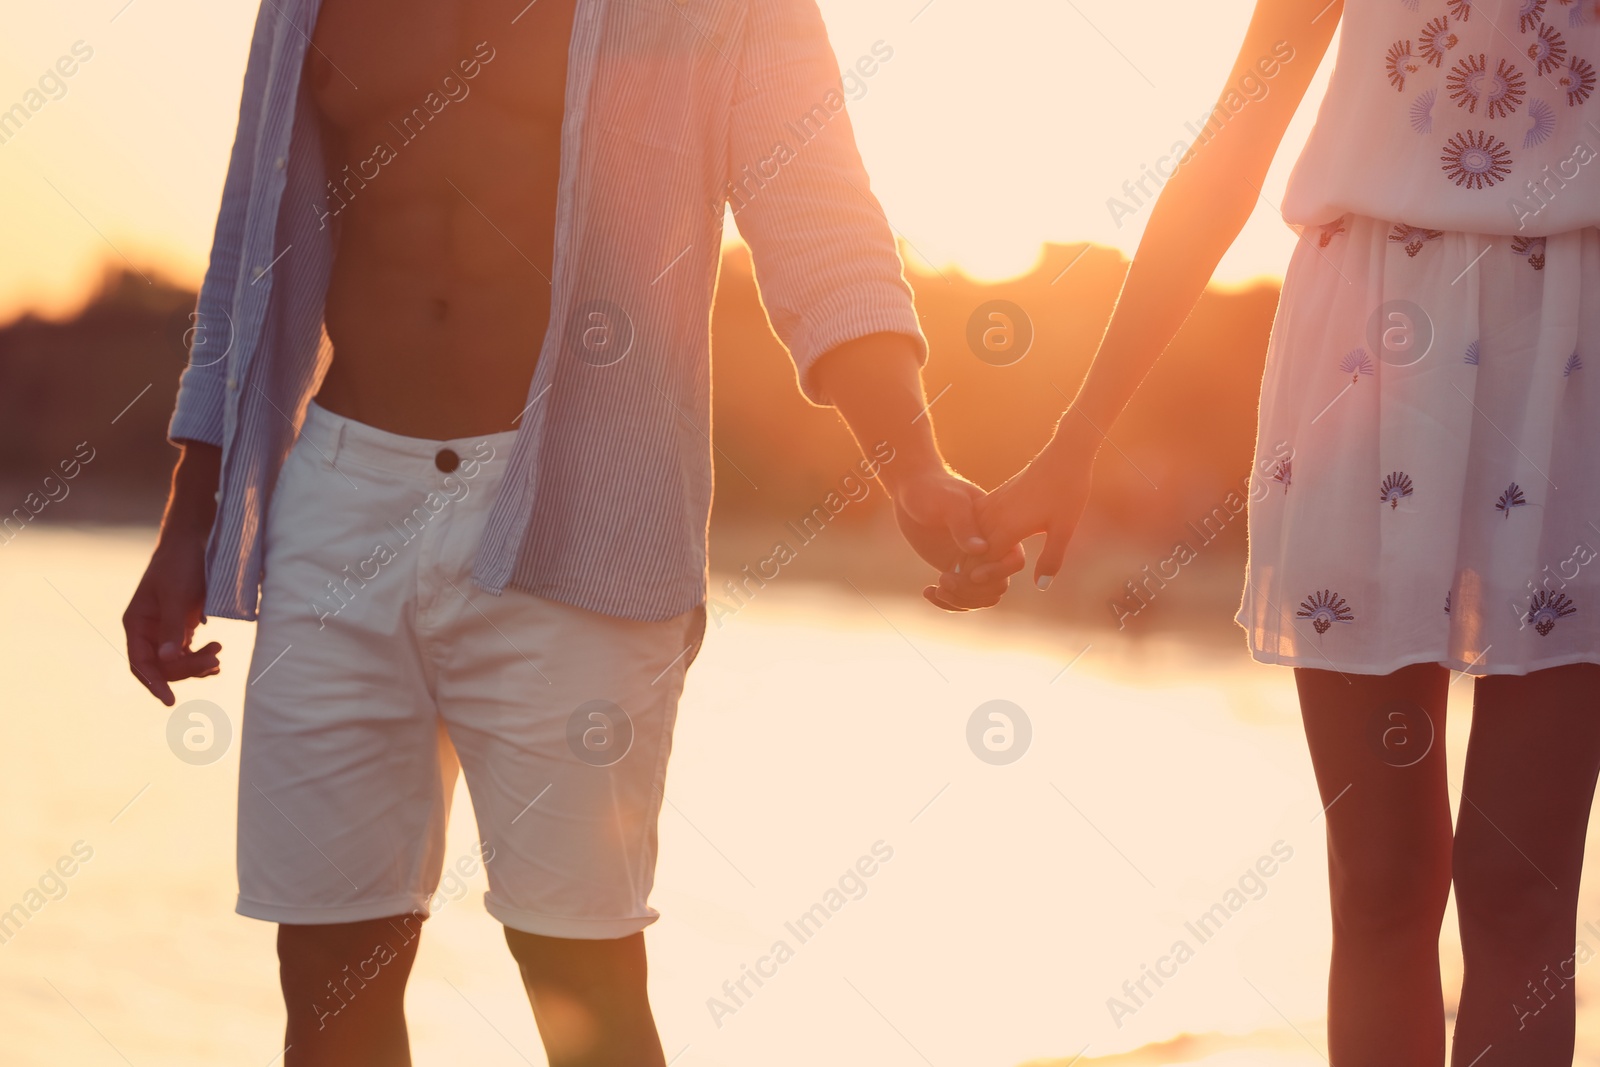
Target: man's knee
327	968
614	964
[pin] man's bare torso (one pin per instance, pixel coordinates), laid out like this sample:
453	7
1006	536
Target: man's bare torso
442	131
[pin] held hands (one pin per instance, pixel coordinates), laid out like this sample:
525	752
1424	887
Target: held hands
937	511
1047	496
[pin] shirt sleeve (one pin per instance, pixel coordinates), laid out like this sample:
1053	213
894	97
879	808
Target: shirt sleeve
202	396
824	255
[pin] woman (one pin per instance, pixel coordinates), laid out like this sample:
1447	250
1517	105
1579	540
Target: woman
1427	486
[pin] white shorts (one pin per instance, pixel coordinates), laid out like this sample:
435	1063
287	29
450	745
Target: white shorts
380	669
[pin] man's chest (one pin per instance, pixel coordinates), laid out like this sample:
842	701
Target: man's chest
372	60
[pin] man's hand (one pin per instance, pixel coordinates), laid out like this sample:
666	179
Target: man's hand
170	601
162	617
938	513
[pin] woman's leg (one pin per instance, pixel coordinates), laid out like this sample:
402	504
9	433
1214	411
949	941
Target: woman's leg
1525	801
1377	746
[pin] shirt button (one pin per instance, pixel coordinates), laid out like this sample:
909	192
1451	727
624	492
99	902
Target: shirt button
256	274
233	383
446	460
278	163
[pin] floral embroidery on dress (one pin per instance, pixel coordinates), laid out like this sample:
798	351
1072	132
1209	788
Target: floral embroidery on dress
1283	473
1435	40
1541	123
1470	84
1472	354
1400	63
1476	159
1394	487
1532	248
1413	237
1447	601
1422	111
1549	50
1511	498
1324	609
1574	362
1547	607
1461	9
1578	81
1356	363
1532	13
1330	231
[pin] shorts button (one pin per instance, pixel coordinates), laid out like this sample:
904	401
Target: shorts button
446	460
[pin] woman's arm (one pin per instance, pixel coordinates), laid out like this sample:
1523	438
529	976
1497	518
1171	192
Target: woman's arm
1195	219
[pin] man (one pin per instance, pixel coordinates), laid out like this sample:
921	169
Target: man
478	232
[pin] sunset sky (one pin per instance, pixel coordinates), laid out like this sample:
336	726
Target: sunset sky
994	128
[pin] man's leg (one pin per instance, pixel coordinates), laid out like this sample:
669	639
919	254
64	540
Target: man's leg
589	999
344	987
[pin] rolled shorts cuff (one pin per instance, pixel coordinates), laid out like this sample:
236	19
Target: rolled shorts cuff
321	916
574	929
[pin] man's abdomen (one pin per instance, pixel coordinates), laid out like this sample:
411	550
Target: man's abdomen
441	126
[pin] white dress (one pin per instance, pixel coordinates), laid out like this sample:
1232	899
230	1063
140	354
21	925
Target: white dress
1427	481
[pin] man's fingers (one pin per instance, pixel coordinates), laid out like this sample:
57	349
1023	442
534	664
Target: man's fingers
965	593
992	570
146	667
931	595
961	519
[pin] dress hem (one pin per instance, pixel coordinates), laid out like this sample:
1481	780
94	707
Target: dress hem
1476	670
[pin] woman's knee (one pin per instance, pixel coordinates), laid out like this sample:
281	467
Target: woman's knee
1389	888
1501	894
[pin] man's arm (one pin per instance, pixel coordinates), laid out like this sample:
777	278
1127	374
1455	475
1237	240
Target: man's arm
832	283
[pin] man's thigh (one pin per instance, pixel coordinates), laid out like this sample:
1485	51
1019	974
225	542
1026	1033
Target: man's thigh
563	719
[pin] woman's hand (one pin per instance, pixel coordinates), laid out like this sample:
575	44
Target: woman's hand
1047	496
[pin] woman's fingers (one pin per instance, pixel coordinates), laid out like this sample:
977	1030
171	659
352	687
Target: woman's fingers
1051	558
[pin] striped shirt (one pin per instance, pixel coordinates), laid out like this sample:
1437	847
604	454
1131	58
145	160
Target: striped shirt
674	108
